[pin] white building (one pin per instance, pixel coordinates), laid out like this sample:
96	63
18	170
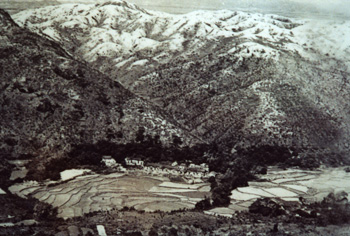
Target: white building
134	162
109	161
182	167
204	167
201	168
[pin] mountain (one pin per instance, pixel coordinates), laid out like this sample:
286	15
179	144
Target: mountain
234	78
50	101
128	38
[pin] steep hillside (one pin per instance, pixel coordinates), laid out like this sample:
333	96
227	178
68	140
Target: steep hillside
255	101
234	78
49	101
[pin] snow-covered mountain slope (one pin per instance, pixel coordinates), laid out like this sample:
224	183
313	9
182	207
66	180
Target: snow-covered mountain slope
127	38
49	101
131	37
236	78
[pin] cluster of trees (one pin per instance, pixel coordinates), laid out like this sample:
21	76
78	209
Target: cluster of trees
146	147
237	174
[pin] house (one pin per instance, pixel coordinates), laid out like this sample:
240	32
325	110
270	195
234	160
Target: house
134	162
204	167
109	161
182	167
200	168
211	174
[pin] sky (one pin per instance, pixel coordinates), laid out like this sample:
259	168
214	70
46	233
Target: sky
291	8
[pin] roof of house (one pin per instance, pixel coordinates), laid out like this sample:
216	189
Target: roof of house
134	159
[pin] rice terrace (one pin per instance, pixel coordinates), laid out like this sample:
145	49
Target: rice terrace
92	193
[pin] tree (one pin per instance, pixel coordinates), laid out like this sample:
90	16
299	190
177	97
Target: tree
44	212
176	141
203	204
140	135
220	195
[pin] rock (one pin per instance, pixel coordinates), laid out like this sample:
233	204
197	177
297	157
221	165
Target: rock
62	227
62	233
132	233
341	197
73	230
303	213
347	169
329	199
275	228
101	230
85	231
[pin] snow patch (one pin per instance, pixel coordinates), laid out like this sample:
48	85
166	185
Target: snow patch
140	62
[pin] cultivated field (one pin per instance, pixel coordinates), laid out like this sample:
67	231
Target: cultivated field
91	193
288	186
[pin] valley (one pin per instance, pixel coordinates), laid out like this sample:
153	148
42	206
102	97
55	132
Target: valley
119	120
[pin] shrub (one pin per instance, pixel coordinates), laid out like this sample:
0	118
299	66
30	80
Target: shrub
266	207
203	204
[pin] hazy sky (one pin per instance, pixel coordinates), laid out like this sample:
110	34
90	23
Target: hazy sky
295	8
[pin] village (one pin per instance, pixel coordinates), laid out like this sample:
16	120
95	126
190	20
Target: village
189	172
